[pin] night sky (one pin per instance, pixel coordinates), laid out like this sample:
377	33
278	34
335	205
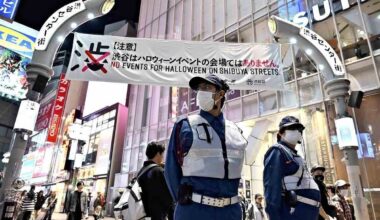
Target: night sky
33	13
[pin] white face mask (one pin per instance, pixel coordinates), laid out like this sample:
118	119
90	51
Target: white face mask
344	192
292	136
205	100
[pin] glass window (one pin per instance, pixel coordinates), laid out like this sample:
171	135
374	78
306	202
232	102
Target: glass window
134	159
250	104
268	102
207	20
126	161
149	12
219	15
162	27
352	35
153	129
156	9
245	8
170	24
262	32
164	6
288	97
234	111
178	21
232	17
186	30
362	75
148	31
304	65
197	10
258	4
294	7
154	29
246	34
143	13
326	30
309	90
371	15
233	37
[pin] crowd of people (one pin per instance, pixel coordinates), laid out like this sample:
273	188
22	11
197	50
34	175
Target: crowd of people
202	173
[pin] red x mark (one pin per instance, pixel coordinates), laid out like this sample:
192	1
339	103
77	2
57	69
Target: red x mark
96	61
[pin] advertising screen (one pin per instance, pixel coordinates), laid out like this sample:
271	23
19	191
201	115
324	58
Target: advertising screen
366	149
12	74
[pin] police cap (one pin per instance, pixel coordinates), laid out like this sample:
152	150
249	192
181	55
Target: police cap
211	79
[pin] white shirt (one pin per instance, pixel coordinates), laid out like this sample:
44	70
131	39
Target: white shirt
255	214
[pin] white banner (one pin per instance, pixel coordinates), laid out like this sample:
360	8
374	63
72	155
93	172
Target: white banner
174	63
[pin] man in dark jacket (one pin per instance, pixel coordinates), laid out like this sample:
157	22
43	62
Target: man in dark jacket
328	209
155	194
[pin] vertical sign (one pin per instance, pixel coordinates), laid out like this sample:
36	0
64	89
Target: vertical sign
58	109
44	115
8	9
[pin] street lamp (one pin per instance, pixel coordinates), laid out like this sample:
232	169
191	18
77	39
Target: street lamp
336	86
56	28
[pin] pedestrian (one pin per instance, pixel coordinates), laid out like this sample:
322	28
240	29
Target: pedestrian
290	191
155	194
327	210
117	213
243	206
28	203
50	204
98	206
343	207
205	157
39	203
77	203
256	209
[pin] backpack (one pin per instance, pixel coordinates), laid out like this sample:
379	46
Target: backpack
131	203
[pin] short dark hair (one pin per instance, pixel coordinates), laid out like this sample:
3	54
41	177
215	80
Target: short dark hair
258	195
153	148
80	183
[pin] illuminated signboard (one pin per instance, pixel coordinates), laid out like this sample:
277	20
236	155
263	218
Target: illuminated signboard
18	42
12	74
8	9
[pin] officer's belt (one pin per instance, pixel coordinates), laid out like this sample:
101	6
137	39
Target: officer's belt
216	202
308	201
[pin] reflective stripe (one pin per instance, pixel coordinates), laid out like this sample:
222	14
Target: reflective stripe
215	152
223	160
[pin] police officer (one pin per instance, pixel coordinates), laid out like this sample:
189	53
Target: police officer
205	158
290	190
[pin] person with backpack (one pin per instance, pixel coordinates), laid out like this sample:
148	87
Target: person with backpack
155	195
28	203
205	157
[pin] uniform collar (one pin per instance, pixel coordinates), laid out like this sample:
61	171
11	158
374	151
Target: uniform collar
286	145
210	118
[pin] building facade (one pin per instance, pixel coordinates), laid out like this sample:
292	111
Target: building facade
350	27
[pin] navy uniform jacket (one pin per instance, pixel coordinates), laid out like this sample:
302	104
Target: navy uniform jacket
276	167
202	185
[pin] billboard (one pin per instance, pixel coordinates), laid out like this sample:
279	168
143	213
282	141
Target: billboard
366	148
8	9
12	74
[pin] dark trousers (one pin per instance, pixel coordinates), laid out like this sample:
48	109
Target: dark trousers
26	215
75	215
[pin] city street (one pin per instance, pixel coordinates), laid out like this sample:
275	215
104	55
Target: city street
61	216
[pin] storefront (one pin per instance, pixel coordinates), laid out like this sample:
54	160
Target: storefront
350	27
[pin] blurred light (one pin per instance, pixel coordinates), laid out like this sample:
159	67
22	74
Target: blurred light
378	17
60	39
7	154
361	32
344	44
321	67
293	40
73	25
5	160
90	16
309	51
